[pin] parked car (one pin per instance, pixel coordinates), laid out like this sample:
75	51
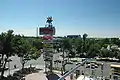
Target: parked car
78	63
69	63
92	67
87	62
96	66
88	66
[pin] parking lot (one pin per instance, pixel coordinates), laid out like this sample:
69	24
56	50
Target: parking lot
91	69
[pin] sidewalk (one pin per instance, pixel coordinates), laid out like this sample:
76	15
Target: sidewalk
42	76
36	76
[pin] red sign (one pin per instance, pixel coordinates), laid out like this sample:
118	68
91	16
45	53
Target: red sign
47	31
47	37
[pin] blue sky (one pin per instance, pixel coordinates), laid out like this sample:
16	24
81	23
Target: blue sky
97	18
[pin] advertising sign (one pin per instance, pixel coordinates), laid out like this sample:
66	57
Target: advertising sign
48	37
47	31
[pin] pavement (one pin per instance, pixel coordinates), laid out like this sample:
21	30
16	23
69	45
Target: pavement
36	76
42	76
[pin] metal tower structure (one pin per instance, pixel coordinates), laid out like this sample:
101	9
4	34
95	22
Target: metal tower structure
49	31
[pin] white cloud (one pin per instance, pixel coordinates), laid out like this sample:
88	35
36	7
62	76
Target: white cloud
26	32
21	31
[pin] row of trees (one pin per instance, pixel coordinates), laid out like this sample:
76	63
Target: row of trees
25	48
90	47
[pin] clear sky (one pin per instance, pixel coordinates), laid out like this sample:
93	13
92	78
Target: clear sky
98	18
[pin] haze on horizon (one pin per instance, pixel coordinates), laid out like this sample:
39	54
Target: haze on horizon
97	18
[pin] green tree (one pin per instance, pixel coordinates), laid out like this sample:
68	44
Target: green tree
37	43
79	47
84	36
7	49
105	52
84	49
114	53
115	41
27	52
94	50
65	46
118	55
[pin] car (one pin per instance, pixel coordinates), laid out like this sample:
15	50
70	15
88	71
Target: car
69	63
87	62
88	66
92	67
83	59
74	60
92	64
79	63
96	66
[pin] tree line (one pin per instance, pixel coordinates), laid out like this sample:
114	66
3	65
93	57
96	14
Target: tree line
89	47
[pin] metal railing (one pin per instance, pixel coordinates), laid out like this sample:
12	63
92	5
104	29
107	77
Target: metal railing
72	70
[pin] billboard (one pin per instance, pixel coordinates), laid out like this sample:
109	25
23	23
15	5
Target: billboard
47	31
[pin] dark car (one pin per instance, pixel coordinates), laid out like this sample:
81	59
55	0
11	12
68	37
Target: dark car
92	67
79	63
88	66
96	66
69	63
87	62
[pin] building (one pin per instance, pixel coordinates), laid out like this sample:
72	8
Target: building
73	36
